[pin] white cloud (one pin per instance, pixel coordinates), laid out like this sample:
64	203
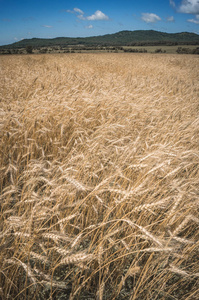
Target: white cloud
172	3
98	15
47	26
170	19
187	6
15	38
89	26
79	11
75	10
150	17
69	11
81	17
196	20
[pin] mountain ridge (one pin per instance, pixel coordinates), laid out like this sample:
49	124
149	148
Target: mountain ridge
121	38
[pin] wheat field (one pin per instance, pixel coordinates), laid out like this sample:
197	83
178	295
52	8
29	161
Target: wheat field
99	176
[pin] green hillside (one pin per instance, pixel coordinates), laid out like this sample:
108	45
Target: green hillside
122	38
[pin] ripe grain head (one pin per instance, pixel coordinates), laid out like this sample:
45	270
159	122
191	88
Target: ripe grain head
99	175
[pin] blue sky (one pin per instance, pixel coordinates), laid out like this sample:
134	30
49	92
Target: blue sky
20	19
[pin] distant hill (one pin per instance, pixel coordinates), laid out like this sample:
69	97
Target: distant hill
122	38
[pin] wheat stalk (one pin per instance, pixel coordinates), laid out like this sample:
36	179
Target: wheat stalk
99	175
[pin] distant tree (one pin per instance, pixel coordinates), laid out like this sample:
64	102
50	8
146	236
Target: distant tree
43	50
196	51
29	49
181	50
158	50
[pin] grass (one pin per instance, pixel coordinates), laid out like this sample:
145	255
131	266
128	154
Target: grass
188	49
168	49
99	176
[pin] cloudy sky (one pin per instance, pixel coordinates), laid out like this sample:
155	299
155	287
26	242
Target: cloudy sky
21	19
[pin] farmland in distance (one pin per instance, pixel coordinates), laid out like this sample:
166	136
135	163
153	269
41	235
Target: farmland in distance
99	176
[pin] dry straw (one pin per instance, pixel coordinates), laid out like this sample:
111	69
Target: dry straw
99	176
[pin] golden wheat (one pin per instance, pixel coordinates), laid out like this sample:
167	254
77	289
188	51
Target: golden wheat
99	176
